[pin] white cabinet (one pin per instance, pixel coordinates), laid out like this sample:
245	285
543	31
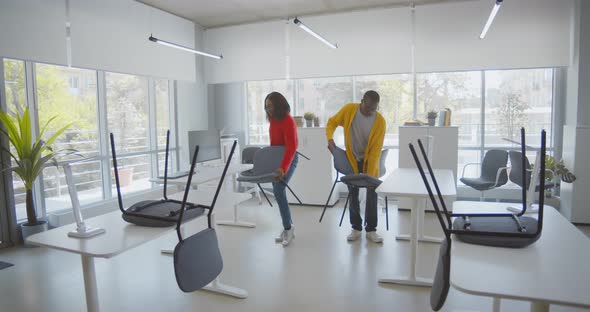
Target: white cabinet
313	178
441	144
442	148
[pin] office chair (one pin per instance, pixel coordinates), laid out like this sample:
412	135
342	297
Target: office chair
501	230
516	172
248	158
361	180
197	259
266	161
493	172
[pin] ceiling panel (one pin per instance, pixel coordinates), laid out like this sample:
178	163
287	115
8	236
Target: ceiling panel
217	13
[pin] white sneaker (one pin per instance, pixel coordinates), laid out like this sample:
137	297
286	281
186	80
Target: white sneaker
281	237
289	235
374	237
354	235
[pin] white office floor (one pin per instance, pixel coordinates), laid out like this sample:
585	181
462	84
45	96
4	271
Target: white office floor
320	271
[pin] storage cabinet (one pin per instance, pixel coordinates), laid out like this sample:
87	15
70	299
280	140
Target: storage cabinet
313	178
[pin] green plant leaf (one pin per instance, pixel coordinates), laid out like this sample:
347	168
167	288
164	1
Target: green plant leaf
57	134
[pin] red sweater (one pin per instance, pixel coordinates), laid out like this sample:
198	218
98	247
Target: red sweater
284	132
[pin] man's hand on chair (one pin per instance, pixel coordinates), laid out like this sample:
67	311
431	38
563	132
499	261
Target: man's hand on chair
280	174
331	145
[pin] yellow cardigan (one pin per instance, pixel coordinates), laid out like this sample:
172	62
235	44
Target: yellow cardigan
344	118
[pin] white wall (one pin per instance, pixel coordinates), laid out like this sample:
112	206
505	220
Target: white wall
108	35
526	33
191	98
33	30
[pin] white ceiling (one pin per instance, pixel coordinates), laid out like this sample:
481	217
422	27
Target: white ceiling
216	13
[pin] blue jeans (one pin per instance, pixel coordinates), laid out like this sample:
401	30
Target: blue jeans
279	190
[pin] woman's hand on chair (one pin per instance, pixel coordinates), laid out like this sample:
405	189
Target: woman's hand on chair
331	145
280	174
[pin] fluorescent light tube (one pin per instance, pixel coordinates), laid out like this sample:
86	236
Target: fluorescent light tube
491	18
183	48
313	33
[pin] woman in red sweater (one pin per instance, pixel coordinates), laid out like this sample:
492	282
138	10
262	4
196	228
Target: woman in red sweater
283	131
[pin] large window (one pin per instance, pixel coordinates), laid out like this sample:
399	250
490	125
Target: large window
138	110
78	107
14	85
486	106
128	120
396	103
163	114
515	99
257	92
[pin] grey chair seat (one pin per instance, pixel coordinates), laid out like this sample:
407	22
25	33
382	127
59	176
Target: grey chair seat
253	178
479	184
361	180
499	225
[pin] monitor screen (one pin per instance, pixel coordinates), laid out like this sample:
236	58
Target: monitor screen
209	143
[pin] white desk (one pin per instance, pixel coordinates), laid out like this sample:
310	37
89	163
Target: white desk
206	174
121	236
553	270
406	182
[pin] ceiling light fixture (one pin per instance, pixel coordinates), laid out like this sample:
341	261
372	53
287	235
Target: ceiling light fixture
491	18
177	46
313	33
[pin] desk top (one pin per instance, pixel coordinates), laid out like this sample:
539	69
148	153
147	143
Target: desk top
120	235
205	174
407	182
555	269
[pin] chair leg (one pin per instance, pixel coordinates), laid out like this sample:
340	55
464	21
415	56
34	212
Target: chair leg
290	190
264	193
344	211
327	201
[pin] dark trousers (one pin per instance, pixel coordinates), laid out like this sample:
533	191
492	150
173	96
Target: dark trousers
370	209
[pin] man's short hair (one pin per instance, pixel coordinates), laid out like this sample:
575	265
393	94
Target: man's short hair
371	96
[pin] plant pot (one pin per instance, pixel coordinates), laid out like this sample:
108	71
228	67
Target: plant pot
431	121
316	122
308	122
126	176
28	230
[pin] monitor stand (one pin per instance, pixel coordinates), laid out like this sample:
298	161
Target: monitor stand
82	230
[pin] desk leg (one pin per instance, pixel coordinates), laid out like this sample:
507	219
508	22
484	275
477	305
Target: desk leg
90	284
412	280
539	306
420	230
496	304
236	221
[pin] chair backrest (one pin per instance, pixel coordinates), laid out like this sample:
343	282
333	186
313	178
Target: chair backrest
268	159
492	161
341	163
382	159
248	154
442	277
516	170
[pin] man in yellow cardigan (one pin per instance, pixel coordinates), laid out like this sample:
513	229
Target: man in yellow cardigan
364	131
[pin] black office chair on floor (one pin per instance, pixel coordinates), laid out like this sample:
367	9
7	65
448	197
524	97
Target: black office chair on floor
493	172
500	230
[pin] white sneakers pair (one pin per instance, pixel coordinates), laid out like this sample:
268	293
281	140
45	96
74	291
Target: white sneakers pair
286	236
372	236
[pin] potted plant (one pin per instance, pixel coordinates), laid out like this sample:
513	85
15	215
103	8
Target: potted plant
30	157
431	115
309	116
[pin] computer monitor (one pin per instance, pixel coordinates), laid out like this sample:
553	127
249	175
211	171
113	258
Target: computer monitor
209	142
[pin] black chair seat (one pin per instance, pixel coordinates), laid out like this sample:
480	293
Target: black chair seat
500	225
479	184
